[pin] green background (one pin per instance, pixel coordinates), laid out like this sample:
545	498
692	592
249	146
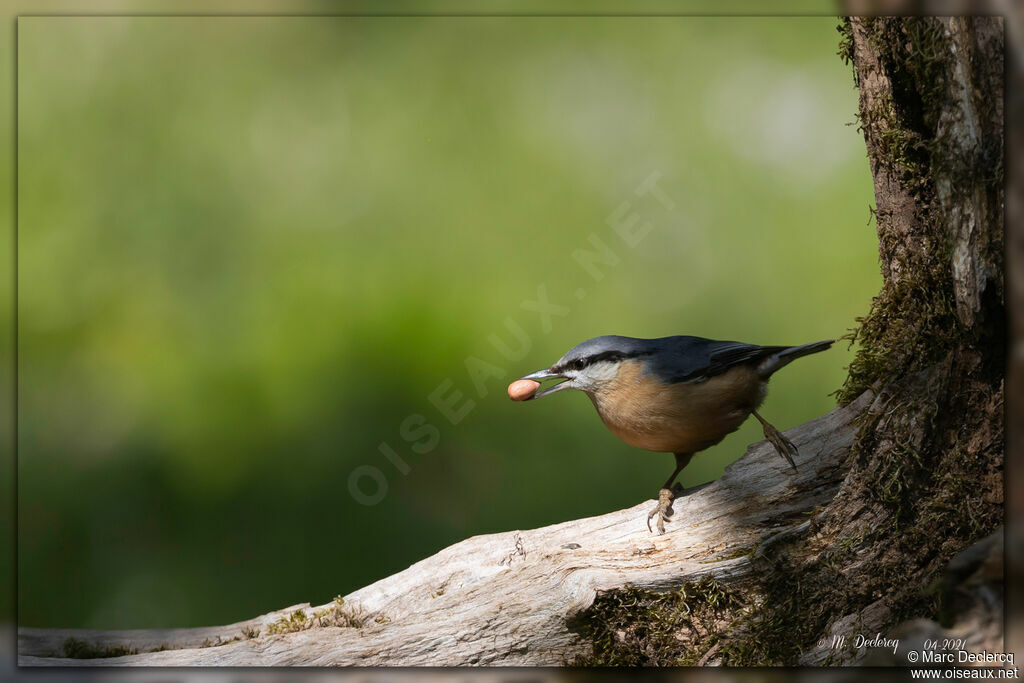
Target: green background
250	248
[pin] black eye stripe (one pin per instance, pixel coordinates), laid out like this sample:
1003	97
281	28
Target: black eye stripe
580	363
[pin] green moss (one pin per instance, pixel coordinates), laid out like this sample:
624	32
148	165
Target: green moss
218	641
78	649
845	51
793	604
798	599
638	627
911	326
337	615
296	621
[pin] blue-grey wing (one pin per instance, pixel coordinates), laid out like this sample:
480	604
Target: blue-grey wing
695	359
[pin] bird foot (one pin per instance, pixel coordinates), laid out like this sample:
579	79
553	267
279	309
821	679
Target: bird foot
663	510
784	446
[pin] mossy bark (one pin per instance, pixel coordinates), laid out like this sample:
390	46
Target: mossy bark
925	478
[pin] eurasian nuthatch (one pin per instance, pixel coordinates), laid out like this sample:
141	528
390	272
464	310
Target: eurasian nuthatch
677	395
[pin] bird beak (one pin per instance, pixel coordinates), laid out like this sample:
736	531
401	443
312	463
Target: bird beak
542	375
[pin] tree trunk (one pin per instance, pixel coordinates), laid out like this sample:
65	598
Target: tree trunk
891	526
926	480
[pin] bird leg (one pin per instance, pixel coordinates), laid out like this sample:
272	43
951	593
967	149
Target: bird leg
663	510
783	445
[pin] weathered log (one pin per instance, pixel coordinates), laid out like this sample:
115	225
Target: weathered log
509	598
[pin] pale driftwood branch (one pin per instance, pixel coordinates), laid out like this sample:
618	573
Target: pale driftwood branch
504	599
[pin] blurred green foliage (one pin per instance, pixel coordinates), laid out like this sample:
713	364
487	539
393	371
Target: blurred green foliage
249	248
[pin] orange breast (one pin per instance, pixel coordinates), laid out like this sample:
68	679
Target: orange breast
677	418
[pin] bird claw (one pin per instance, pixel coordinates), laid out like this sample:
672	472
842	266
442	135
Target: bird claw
663	510
783	446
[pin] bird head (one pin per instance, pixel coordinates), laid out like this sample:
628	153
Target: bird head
591	365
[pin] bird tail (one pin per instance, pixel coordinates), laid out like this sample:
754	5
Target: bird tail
779	360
